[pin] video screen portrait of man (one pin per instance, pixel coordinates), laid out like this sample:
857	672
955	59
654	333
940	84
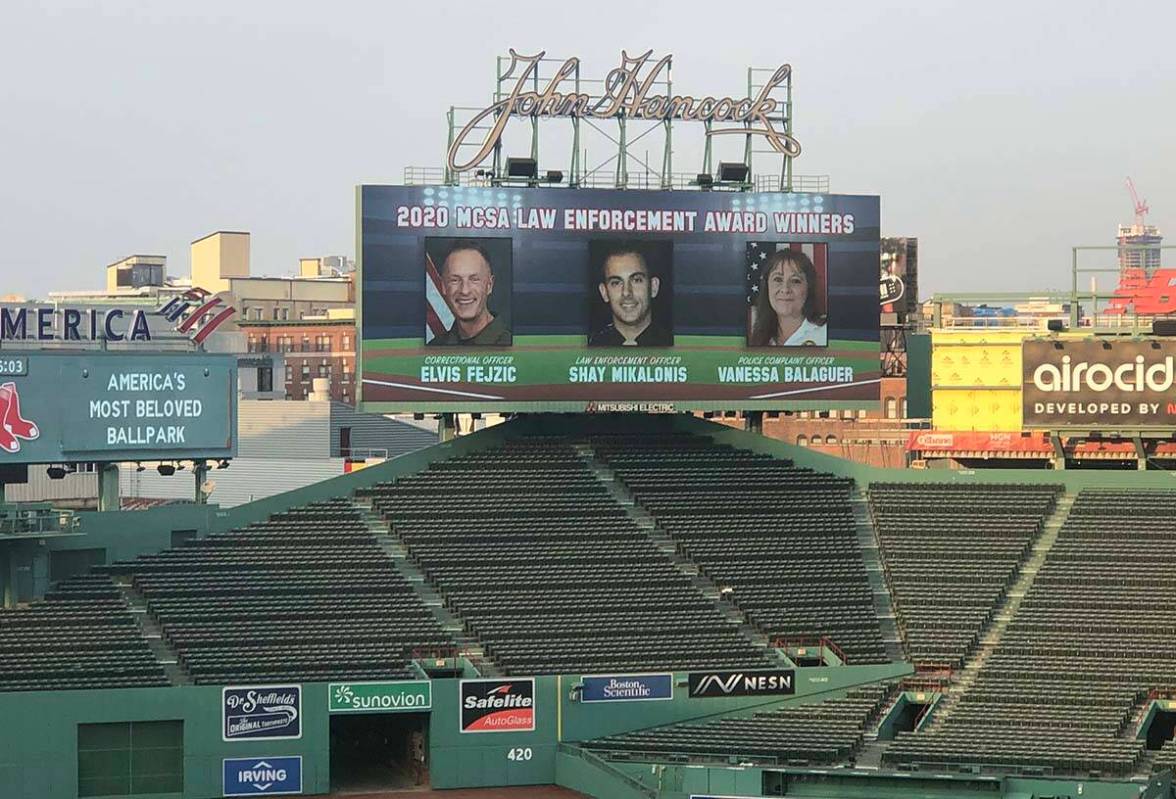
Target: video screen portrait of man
467	291
631	296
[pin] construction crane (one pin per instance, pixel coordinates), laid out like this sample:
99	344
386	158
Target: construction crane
1141	208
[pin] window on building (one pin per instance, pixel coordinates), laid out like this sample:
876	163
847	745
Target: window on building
289	373
830	439
324	370
346	368
265	378
346	346
130	758
801	441
847	414
276	315
861	414
285	344
306	343
322	343
904	408
305	372
891	408
816	441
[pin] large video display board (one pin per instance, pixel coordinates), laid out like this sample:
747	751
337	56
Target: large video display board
516	299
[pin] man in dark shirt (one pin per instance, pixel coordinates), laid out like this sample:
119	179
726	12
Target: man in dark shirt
628	289
467	281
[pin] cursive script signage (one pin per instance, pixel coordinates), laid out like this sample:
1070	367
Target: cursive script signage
627	93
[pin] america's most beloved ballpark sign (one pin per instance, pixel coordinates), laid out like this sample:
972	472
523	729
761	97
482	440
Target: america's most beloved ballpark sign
66	407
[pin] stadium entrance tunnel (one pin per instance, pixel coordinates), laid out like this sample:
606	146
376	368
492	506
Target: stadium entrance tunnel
1160	726
907	714
379	751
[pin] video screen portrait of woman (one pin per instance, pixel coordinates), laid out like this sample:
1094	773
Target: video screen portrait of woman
786	287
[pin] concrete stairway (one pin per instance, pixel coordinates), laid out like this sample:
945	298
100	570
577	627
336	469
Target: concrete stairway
168	658
872	557
663	541
1129	728
1006	611
468	646
869	752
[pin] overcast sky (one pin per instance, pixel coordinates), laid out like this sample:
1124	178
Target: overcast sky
998	133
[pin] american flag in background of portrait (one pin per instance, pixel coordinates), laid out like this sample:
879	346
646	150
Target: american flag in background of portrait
757	256
438	316
758	253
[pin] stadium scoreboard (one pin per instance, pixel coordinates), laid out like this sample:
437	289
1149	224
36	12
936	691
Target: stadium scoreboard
505	299
62	407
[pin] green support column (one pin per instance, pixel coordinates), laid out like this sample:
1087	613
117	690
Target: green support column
200	472
108	498
753	421
5	578
447	427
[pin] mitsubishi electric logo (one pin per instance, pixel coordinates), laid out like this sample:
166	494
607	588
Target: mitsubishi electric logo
188	311
741	683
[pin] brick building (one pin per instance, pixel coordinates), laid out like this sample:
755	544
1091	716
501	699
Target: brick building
314	347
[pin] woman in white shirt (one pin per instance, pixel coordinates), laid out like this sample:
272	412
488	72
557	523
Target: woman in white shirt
785	311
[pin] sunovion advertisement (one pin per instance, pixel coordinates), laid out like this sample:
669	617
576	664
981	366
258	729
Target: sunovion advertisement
555	299
261	712
63	407
1099	384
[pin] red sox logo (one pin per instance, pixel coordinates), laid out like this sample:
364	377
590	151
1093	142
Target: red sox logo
14	427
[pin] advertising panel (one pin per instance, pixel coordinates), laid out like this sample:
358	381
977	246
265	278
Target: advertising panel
771	682
506	705
567	300
380	697
261	712
627	687
1099	384
57	407
261	776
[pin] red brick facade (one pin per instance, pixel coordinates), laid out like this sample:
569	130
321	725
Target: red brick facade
875	438
311	348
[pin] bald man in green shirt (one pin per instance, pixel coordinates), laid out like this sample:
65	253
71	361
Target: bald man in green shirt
467	281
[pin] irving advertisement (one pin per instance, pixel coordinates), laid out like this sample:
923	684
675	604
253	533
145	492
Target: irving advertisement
547	299
1099	384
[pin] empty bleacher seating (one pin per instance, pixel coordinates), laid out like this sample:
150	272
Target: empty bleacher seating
950	553
1094	636
817	733
81	636
782	539
548	570
306	595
